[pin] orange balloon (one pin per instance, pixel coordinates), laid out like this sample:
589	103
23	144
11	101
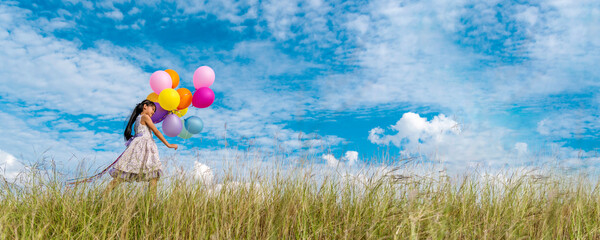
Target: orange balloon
186	98
174	77
152	97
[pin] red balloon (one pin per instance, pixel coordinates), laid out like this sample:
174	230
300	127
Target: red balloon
203	97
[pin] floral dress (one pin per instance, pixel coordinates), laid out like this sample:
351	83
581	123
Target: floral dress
139	162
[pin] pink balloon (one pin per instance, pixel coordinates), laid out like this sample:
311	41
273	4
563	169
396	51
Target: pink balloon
203	97
160	80
204	77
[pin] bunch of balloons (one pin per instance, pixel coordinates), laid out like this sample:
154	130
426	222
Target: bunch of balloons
172	105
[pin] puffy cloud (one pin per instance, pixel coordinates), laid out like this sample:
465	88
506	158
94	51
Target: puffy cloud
9	166
478	147
331	160
349	159
442	140
415	129
203	173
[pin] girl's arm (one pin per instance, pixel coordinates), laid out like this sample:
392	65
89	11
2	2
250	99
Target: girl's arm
148	121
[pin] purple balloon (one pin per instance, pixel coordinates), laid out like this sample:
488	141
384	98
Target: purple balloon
203	97
159	114
172	125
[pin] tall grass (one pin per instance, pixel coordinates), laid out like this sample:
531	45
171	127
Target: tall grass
299	205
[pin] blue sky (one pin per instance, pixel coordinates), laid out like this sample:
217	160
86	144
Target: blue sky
466	83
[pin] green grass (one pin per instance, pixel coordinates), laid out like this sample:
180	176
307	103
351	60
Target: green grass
299	205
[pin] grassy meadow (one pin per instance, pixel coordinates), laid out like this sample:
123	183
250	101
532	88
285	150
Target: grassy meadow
300	204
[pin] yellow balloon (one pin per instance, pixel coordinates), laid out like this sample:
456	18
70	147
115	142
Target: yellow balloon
181	113
169	99
152	97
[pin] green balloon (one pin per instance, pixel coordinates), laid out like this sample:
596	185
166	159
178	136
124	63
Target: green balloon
184	132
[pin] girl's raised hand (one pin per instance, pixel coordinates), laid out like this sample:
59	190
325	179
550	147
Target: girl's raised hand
173	146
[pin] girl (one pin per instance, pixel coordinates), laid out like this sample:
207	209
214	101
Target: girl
139	162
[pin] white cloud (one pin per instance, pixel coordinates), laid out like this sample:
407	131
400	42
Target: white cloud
106	81
310	24
133	11
203	173
528	14
349	159
521	148
7	159
280	17
441	139
53	24
35	141
56	74
84	3
407	53
236	11
479	147
568	124
404	56
415	129
115	14
257	110
456	55
330	159
9	166
137	25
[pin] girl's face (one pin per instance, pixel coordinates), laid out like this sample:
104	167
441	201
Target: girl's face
149	110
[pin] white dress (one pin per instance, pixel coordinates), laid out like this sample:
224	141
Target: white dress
139	162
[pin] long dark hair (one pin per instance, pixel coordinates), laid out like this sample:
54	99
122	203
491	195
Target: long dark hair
136	112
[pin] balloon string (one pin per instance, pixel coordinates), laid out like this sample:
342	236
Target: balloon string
79	180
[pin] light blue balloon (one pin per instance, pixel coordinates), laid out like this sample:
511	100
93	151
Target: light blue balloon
193	124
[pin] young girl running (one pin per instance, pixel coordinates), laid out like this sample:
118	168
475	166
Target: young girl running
139	162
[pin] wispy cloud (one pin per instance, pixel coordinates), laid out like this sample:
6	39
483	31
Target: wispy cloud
569	124
109	76
278	62
56	74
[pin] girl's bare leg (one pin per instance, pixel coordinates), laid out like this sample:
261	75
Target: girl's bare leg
152	188
115	182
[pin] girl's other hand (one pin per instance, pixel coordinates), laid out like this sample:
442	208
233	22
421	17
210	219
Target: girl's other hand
173	146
